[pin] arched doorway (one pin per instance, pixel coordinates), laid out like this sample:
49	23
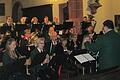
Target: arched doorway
17	11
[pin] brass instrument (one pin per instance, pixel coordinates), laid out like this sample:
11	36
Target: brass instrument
33	38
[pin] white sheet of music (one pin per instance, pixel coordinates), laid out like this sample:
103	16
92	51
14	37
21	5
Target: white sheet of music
88	56
81	58
60	32
84	58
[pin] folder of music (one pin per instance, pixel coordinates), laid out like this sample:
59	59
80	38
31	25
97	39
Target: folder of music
82	58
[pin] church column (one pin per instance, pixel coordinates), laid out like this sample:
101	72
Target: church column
75	9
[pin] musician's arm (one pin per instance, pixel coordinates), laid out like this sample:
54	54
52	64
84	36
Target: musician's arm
46	59
93	46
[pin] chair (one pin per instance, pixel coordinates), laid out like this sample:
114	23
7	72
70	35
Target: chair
65	73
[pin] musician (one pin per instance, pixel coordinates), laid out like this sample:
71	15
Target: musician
34	20
25	38
84	25
8	27
74	44
13	62
39	59
35	25
1	46
93	22
25	44
20	27
51	30
89	32
52	43
23	20
55	21
62	57
84	22
9	23
46	21
108	56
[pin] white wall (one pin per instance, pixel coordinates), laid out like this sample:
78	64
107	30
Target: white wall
107	11
8	9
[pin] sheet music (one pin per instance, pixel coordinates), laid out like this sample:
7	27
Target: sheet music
81	58
60	32
88	56
84	58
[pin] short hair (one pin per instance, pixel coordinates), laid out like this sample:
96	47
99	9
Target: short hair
109	24
39	39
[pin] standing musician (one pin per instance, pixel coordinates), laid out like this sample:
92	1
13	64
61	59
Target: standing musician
108	56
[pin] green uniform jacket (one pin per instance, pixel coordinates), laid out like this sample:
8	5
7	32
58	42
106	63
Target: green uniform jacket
108	46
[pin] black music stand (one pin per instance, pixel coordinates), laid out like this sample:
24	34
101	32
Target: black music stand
20	27
67	25
58	27
35	27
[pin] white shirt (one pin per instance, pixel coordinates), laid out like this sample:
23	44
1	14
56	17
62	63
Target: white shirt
40	50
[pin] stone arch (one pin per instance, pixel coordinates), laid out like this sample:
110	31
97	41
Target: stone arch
17	11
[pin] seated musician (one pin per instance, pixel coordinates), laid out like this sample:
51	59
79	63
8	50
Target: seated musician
26	44
39	60
51	30
62	57
23	20
13	62
73	43
55	21
52	43
34	20
1	46
20	26
8	26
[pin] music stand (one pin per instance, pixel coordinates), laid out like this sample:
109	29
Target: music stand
58	27
36	27
67	25
20	27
